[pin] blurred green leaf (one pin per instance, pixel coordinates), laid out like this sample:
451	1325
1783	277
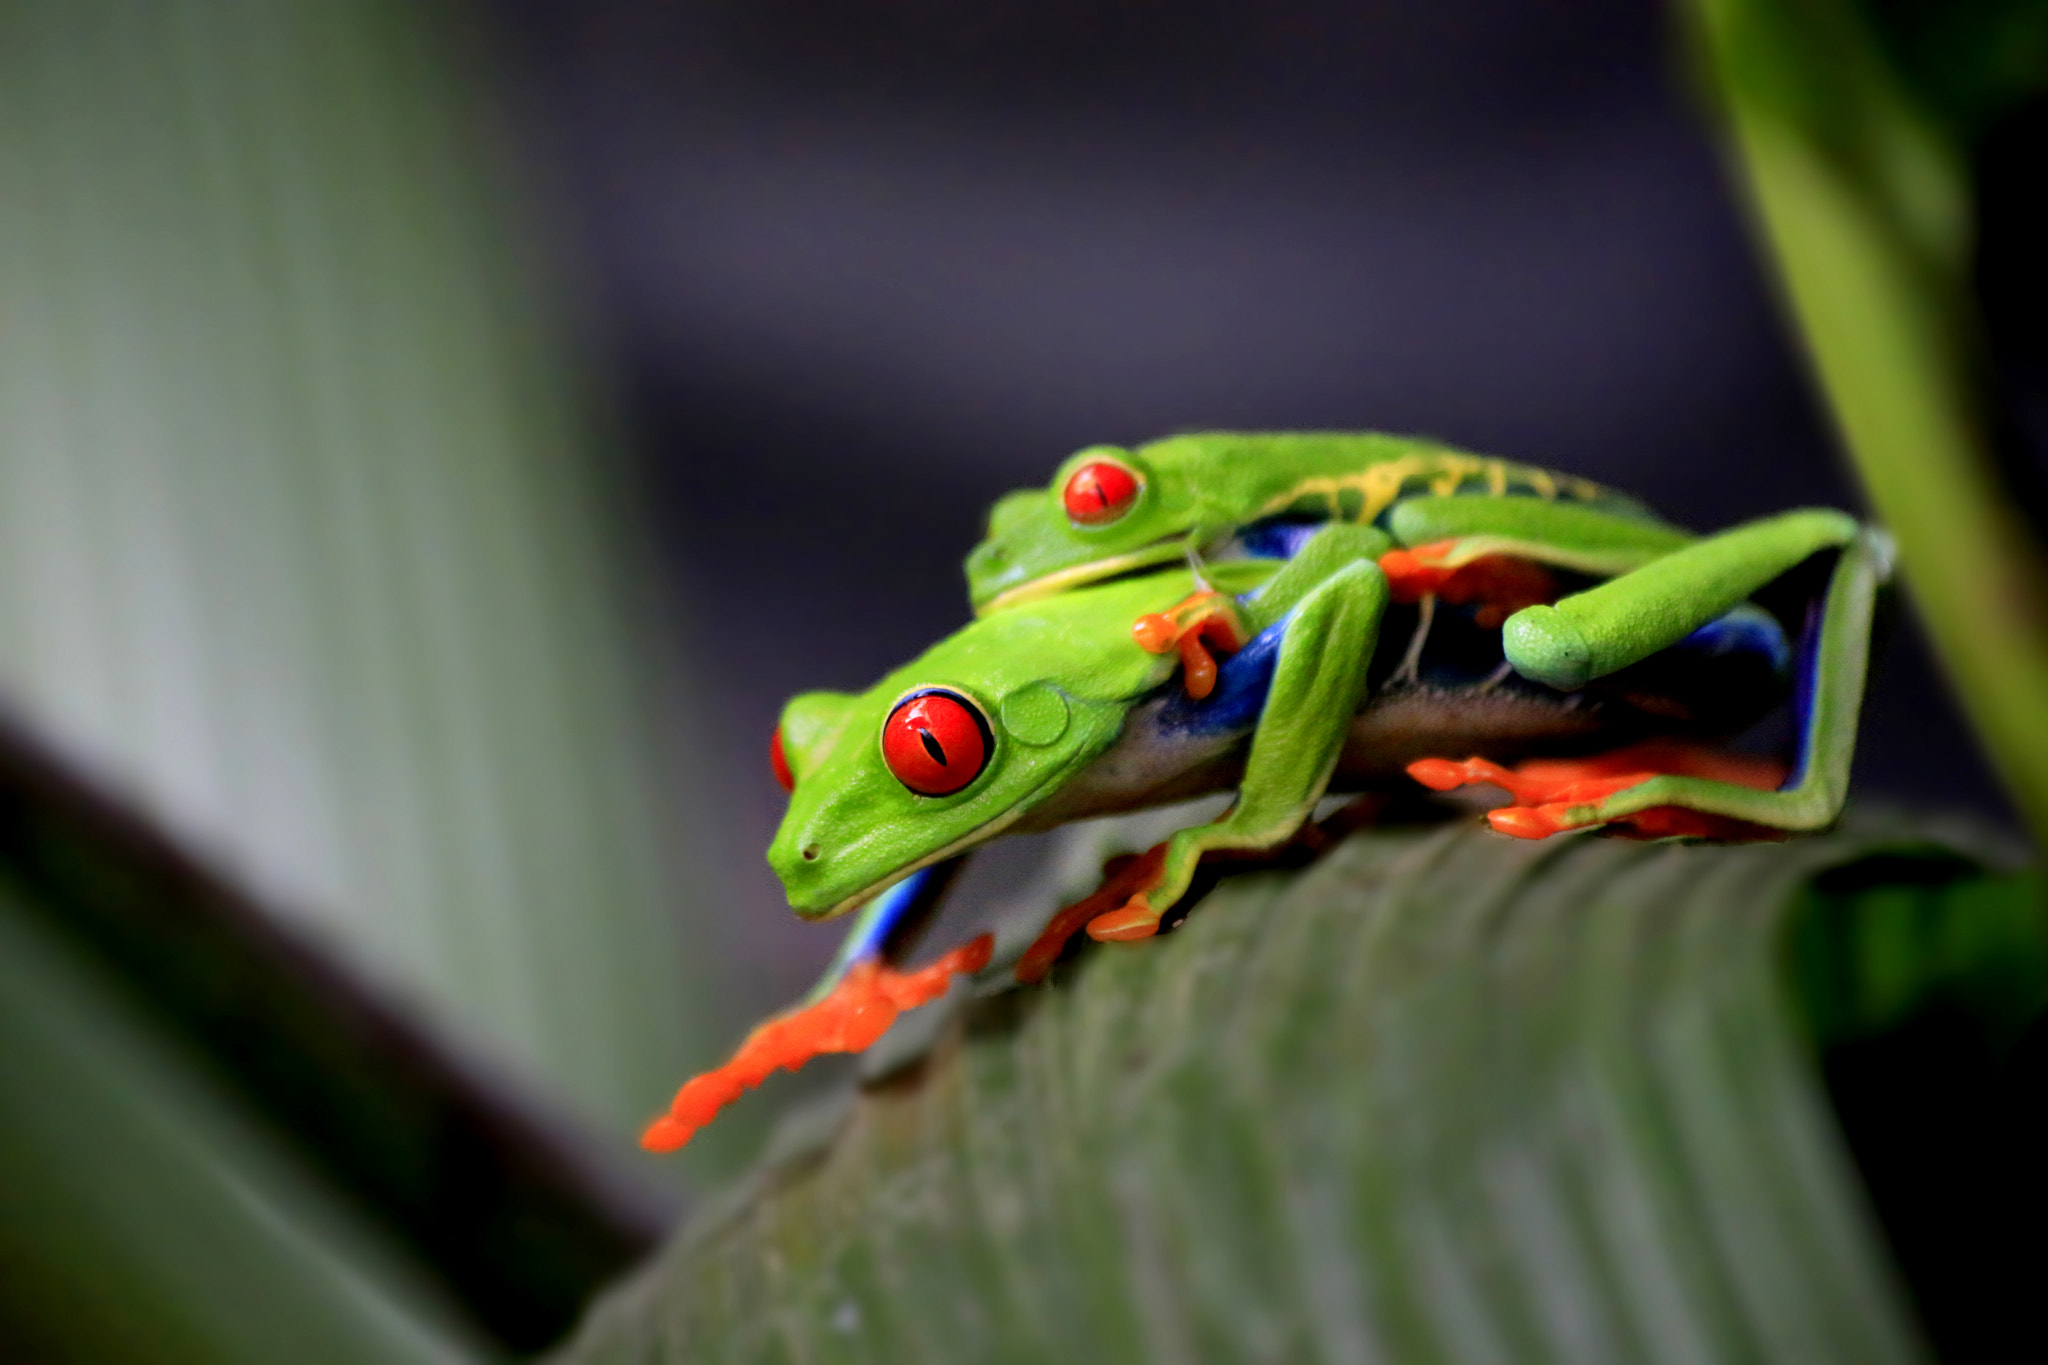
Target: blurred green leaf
1854	127
1441	1097
306	535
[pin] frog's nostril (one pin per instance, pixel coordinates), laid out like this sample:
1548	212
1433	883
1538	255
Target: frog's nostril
810	853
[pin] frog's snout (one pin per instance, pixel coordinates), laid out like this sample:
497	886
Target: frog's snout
805	867
989	570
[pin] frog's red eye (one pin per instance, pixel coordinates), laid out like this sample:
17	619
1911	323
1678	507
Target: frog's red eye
1099	492
936	743
778	761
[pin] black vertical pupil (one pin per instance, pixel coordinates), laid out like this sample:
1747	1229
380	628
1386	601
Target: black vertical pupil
932	746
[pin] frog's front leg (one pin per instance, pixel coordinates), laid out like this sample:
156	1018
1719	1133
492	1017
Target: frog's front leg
1319	681
1211	620
1620	622
852	1005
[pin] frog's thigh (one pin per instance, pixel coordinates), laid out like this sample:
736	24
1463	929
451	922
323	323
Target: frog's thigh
1565	534
1318	683
1604	629
1828	733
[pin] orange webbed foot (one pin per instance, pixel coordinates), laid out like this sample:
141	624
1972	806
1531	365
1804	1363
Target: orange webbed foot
1127	876
1551	795
858	1012
1197	624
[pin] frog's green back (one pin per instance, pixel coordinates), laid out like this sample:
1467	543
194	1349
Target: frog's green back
1197	488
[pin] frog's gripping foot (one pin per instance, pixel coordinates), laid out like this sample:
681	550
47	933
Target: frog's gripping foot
1501	584
1119	906
1195	626
1558	794
859	1010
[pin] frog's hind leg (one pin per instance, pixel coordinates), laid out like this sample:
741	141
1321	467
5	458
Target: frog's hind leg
1548	792
1319	680
1686	798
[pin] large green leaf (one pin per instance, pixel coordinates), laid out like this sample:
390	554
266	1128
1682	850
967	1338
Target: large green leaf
1441	1097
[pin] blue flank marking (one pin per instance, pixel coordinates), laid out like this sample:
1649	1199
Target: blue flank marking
1805	685
1745	630
1278	538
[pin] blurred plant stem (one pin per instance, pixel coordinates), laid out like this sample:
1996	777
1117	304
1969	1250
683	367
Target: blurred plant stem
1859	180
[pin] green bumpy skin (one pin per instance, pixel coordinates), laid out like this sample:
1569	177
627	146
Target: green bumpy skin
1196	491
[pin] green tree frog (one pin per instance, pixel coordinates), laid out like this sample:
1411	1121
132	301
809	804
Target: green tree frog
1560	644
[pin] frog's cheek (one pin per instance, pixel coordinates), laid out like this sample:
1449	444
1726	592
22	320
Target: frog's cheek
1035	714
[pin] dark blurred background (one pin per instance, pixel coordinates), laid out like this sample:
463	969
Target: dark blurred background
860	265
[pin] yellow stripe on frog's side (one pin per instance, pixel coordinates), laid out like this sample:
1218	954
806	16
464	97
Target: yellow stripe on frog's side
1080	575
1441	473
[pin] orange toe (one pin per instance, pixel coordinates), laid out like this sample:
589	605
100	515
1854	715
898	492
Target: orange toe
1123	877
1135	920
859	1011
1196	626
1529	822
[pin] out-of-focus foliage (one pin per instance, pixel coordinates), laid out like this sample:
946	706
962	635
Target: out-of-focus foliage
506	1202
1442	1097
302	536
1858	127
144	1219
306	546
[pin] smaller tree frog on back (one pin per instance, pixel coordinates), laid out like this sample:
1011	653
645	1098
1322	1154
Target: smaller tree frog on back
1111	510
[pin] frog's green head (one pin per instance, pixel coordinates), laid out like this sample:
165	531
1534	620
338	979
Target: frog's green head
1107	511
953	748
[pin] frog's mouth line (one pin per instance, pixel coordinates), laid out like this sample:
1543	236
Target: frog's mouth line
966	841
1094	571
